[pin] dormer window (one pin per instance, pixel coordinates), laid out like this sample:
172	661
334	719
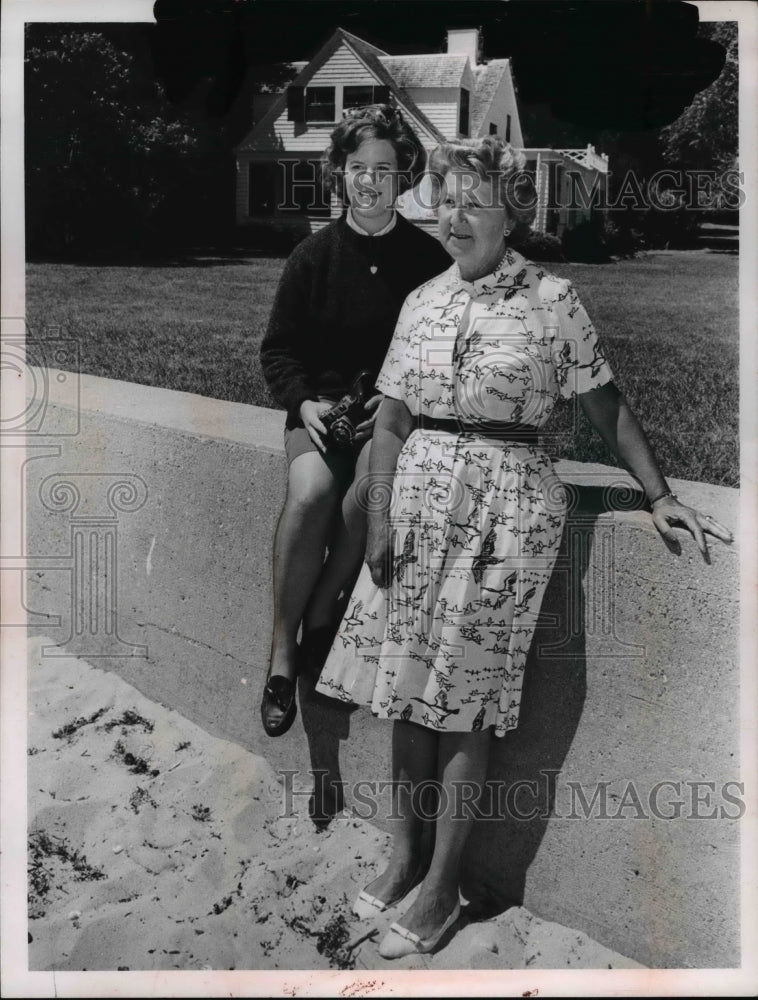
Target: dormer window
357	97
463	116
311	104
322	104
319	104
360	96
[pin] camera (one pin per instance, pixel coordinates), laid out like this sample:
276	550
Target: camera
343	418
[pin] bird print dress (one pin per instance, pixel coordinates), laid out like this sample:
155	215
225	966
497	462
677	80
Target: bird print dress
476	519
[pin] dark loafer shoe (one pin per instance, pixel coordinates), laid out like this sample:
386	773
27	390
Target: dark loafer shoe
278	705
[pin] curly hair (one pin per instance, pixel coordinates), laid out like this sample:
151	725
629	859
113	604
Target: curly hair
374	121
495	160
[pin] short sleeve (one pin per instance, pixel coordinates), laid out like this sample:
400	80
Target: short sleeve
394	378
580	362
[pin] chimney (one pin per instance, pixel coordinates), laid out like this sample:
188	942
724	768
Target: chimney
464	42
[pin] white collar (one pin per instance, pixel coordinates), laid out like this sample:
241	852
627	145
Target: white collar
500	277
382	232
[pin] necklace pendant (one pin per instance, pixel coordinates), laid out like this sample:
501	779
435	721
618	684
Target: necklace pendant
373	268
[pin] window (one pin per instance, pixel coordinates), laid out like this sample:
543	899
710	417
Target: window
463	118
262	189
359	96
356	97
319	104
305	191
507	128
493	128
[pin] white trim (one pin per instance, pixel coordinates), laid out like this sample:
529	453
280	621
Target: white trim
350	219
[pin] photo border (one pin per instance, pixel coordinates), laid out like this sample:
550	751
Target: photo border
17	980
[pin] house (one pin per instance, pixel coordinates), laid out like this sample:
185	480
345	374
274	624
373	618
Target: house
445	96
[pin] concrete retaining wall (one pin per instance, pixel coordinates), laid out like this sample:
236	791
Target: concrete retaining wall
171	500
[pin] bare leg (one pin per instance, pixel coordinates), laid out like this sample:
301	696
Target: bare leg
463	759
323	612
414	762
313	495
345	553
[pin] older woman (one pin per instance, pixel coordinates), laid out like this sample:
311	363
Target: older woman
332	318
466	517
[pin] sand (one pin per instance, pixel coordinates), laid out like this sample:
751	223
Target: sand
154	845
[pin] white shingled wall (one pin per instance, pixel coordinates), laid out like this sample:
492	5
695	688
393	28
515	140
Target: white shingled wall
440	105
342	68
504	104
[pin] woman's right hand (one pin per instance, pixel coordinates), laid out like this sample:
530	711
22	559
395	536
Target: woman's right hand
310	414
379	549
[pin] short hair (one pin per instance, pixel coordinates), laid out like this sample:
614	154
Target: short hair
374	121
497	161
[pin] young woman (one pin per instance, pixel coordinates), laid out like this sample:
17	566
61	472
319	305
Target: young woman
333	317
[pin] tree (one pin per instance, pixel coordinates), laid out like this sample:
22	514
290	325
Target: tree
705	136
104	149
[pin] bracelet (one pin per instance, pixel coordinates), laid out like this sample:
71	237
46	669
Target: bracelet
666	493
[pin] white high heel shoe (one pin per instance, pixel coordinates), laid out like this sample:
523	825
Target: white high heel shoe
367	906
399	941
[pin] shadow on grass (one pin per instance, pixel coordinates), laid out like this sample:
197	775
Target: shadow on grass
192	257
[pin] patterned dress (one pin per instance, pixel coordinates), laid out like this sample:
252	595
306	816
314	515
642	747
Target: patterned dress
476	520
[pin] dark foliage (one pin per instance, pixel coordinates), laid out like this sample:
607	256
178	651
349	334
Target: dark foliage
111	165
540	247
586	242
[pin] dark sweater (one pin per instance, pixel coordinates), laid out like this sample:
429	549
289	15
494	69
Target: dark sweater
332	317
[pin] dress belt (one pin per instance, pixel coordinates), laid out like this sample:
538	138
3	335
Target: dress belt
501	430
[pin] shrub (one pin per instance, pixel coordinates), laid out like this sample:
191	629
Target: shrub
586	242
622	239
540	246
675	229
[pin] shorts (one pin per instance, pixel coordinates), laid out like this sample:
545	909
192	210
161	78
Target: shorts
297	441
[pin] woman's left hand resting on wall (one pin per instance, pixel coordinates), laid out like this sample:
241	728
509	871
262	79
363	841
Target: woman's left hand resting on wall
612	417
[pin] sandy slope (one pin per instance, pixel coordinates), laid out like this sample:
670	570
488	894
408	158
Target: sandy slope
196	866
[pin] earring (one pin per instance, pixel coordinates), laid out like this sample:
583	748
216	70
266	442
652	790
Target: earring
506	233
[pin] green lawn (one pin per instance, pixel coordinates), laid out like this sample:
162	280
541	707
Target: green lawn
669	322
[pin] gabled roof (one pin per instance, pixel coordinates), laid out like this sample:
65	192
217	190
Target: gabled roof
374	59
371	57
488	78
426	70
366	47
